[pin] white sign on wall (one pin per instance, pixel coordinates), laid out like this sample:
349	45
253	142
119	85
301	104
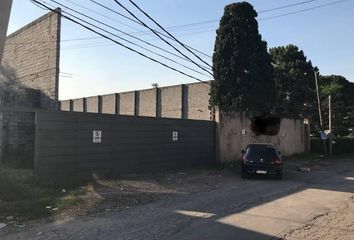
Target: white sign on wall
97	136
174	136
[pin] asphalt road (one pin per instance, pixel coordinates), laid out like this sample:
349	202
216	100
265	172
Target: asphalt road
255	208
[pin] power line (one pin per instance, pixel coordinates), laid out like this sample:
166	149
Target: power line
168	33
103	44
303	10
137	22
125	33
168	43
259	12
286	6
124	16
123	38
103	15
118	43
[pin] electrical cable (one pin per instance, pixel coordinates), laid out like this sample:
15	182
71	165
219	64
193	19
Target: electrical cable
120	44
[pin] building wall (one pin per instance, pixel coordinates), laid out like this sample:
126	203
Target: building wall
17	128
235	133
171	102
187	101
198	101
92	104
65	105
67	153
127	103
31	59
5	9
147	103
78	105
109	104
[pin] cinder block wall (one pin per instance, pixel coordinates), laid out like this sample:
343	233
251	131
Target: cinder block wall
17	128
31	58
171	102
147	102
28	78
187	101
235	133
109	103
92	104
127	103
198	101
77	105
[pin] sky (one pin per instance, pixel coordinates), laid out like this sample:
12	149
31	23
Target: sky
97	66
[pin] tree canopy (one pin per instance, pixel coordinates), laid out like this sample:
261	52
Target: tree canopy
294	81
342	93
241	64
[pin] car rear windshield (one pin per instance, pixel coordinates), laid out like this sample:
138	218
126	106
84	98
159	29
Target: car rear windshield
257	152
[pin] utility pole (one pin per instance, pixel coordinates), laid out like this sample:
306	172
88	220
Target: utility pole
330	123
330	113
320	115
5	9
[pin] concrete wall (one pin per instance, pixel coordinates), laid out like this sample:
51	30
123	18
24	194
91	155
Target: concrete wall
92	104
189	101
65	105
235	133
31	59
147	102
171	102
109	103
197	96
65	151
78	105
127	103
5	9
17	128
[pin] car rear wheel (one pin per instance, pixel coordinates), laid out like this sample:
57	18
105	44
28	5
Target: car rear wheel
280	175
243	174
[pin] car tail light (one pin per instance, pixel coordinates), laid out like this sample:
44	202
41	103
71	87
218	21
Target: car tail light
245	160
278	161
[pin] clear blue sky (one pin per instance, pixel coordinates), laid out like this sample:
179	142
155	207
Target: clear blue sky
98	67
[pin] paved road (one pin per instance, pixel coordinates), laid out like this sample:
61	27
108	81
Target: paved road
250	209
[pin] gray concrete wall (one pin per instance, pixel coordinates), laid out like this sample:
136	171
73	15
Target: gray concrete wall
78	105
235	133
127	103
65	150
198	101
65	105
31	59
5	9
147	103
189	101
109	104
92	104
171	102
17	128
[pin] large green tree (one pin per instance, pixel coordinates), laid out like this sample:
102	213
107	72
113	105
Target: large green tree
241	64
342	94
294	80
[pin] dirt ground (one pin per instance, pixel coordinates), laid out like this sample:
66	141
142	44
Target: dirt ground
335	224
114	204
133	190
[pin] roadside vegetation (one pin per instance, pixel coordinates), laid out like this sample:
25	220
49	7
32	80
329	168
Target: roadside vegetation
23	198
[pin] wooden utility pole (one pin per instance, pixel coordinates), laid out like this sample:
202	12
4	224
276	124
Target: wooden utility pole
330	113
318	102
330	123
320	115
